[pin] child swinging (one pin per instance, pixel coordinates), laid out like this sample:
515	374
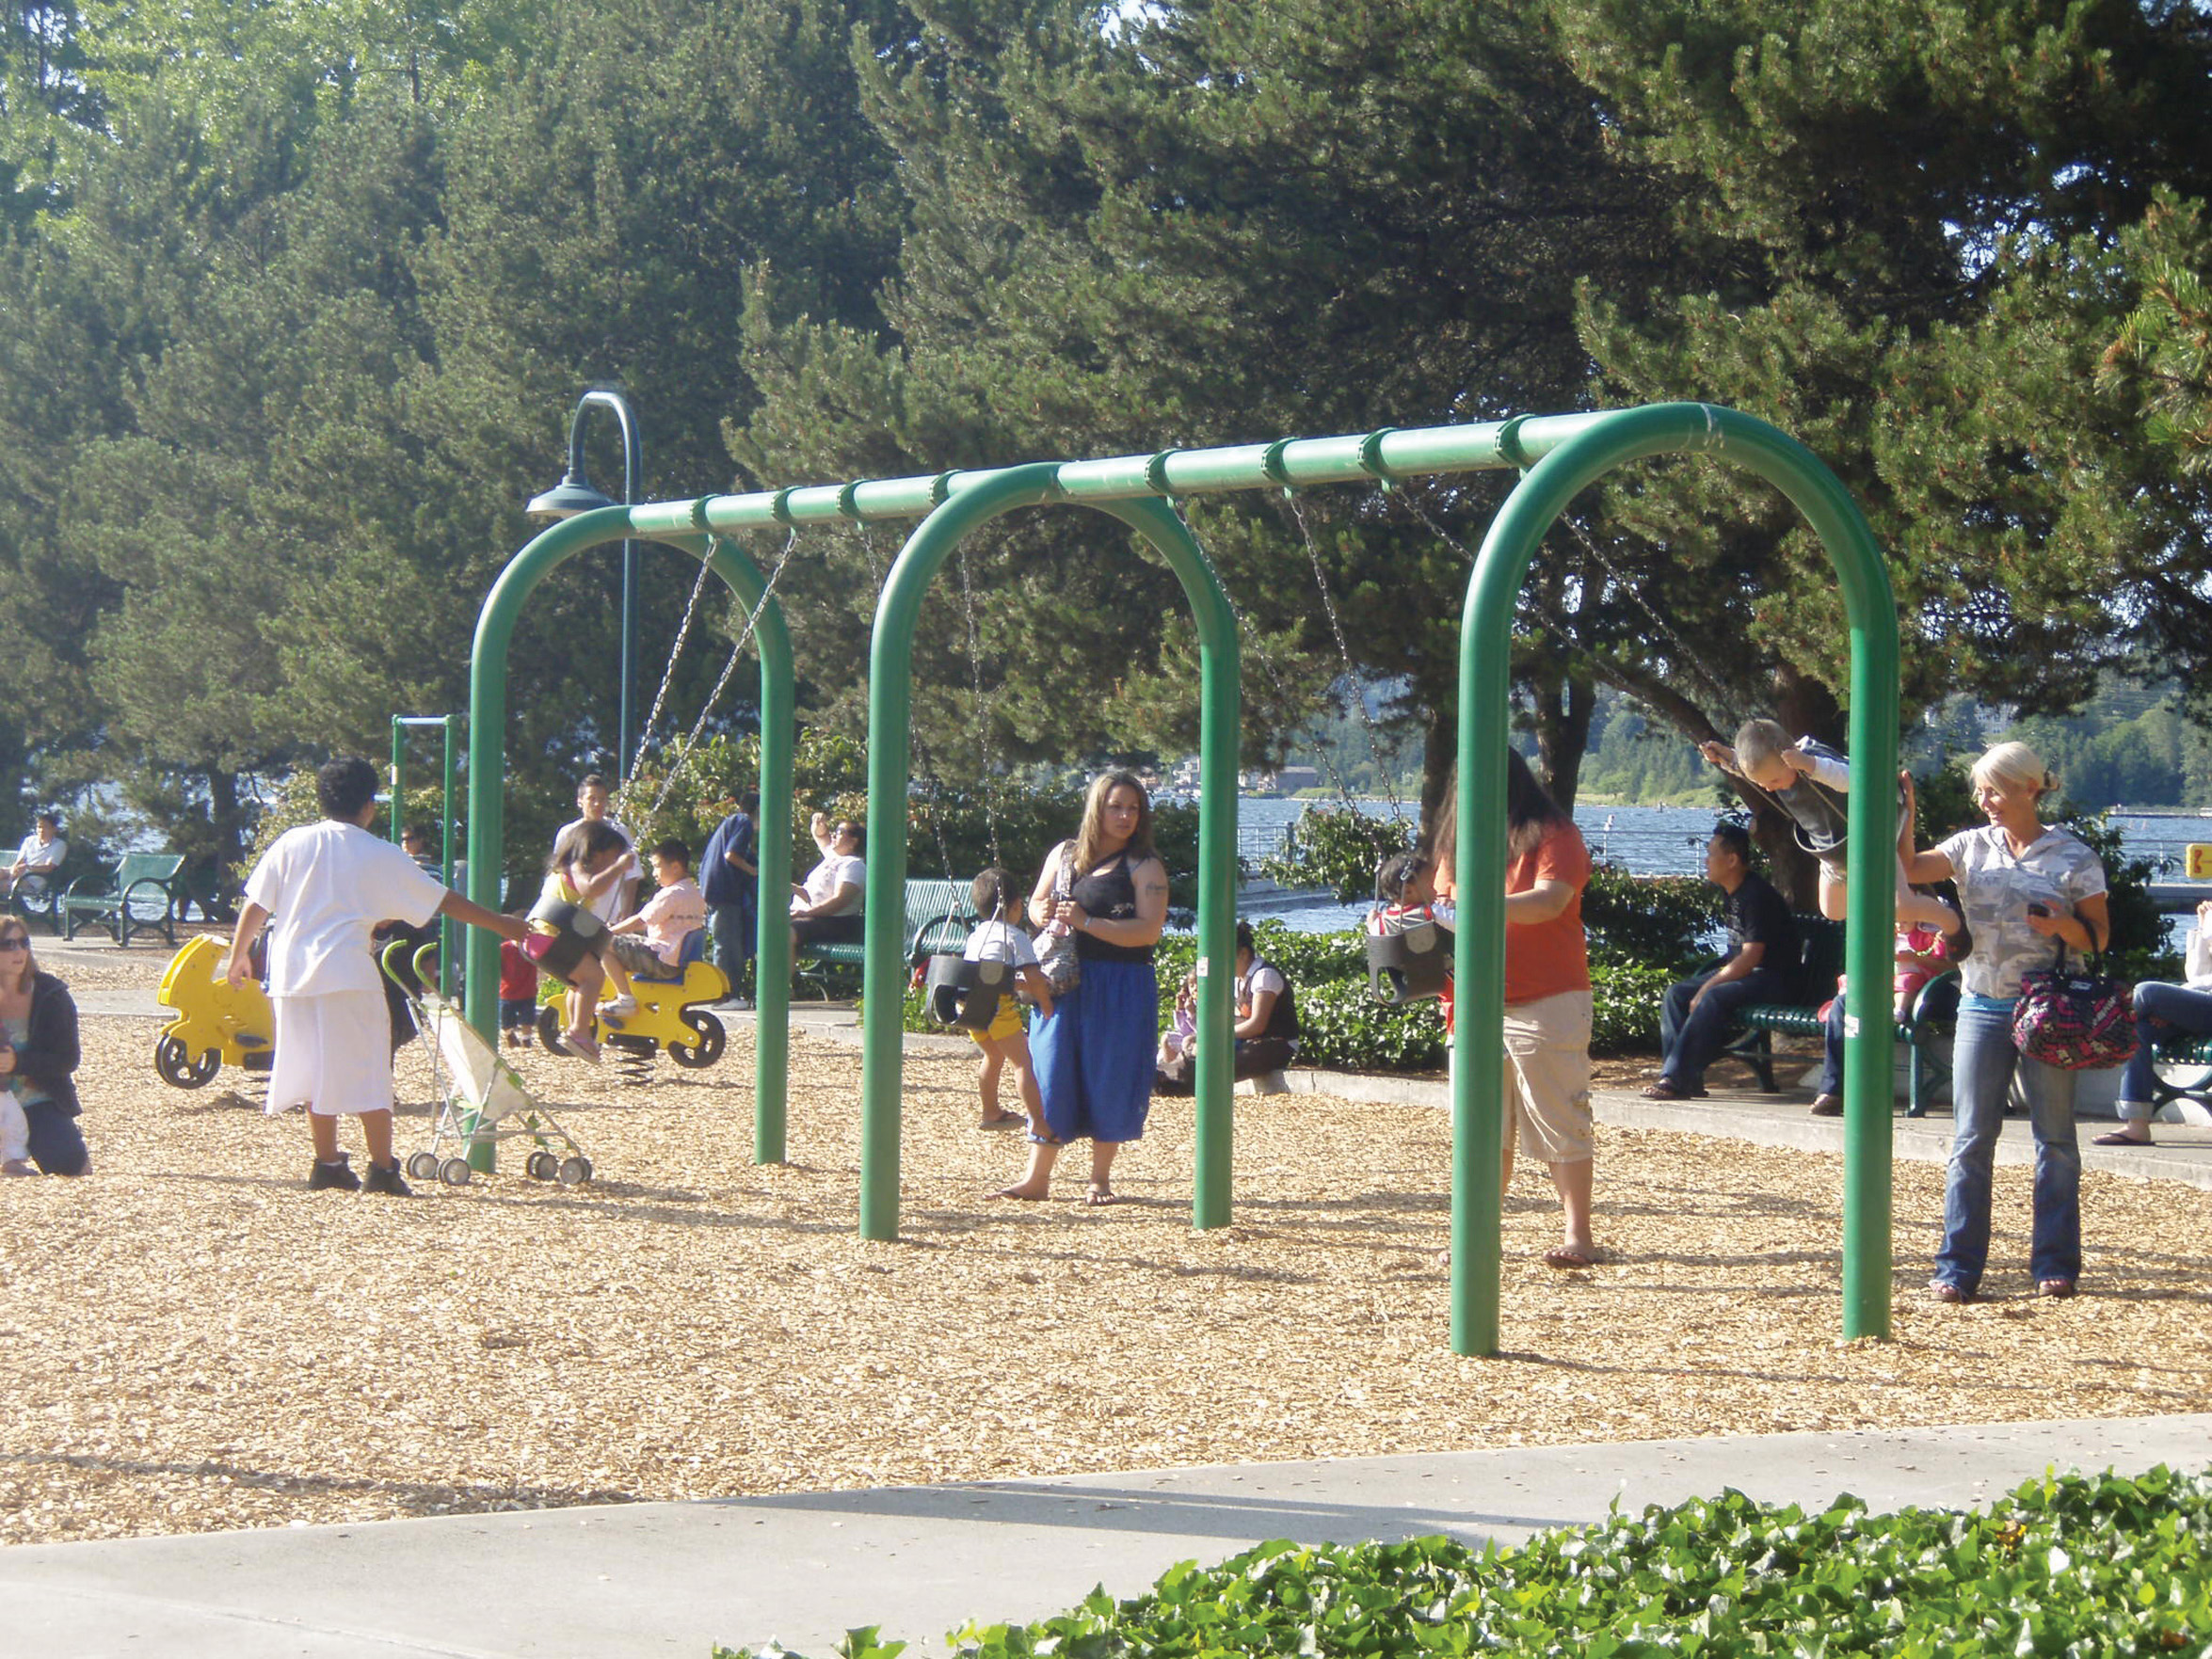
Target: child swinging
569	942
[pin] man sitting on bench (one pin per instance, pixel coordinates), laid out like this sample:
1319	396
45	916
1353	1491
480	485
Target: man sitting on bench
826	907
36	860
1761	963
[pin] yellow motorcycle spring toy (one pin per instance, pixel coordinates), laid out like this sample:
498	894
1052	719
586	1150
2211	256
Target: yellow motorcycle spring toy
671	1013
215	1021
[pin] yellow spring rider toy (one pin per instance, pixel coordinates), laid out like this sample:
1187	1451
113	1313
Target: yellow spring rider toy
671	1012
215	1022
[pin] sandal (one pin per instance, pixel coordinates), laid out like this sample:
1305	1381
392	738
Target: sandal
1568	1259
1662	1089
1958	1295
1005	1121
2120	1138
2056	1289
1098	1197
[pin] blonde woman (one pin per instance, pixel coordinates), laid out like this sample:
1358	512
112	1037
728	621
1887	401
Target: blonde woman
2026	888
39	1019
1094	1051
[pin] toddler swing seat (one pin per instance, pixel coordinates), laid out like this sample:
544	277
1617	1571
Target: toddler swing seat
562	934
966	995
1410	966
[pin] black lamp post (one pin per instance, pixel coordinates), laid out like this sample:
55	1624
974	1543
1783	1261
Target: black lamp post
574	495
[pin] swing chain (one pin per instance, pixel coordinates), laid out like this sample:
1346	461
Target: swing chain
1352	683
667	679
983	709
729	668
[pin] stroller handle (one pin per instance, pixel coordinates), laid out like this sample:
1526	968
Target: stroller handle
388	959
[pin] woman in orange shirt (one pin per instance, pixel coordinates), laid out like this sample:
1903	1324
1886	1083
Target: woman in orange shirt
1546	995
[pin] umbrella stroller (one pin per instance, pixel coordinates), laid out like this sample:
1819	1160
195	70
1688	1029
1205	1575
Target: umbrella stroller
482	1099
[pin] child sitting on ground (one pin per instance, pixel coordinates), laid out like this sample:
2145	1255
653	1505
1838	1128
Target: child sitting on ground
568	942
15	1130
1178	1044
651	941
996	938
1808	780
327	885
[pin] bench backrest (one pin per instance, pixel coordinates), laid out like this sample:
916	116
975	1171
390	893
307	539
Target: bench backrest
139	867
1820	957
939	915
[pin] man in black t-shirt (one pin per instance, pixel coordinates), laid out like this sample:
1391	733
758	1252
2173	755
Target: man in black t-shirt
1760	968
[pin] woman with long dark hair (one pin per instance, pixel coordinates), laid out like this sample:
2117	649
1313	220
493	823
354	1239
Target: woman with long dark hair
1094	1051
39	1019
1547	1003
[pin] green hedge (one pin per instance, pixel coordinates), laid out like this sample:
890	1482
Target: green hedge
2104	1565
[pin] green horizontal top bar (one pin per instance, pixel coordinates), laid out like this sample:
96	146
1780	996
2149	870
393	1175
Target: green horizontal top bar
1392	453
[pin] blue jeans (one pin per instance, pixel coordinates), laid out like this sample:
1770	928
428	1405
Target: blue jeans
2160	1009
1691	1040
733	929
1983	1061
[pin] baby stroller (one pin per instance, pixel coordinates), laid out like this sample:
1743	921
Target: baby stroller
477	1091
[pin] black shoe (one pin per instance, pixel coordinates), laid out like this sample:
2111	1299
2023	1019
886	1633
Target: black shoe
387	1180
338	1176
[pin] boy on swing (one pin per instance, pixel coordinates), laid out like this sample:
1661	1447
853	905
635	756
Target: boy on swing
1808	780
325	884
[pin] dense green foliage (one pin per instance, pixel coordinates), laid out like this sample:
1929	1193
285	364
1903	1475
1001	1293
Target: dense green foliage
2111	1565
295	299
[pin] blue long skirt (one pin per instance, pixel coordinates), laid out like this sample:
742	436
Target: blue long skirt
1094	1057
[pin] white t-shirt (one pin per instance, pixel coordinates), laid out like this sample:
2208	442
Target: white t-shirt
38	854
324	886
1000	941
669	914
1263	977
827	876
608	906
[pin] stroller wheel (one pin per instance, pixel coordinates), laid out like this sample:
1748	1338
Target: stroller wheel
455	1171
541	1165
423	1166
574	1171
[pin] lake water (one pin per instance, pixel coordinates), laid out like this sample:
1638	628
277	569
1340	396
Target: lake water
1658	840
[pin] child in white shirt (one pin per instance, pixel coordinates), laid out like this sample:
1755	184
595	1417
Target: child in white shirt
327	885
997	939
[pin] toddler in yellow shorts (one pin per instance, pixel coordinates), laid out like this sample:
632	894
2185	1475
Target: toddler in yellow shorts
997	939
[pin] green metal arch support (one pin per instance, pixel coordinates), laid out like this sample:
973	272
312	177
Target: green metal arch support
487	714
1608	441
975	500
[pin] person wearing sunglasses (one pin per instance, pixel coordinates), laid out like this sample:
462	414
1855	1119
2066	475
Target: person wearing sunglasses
39	1019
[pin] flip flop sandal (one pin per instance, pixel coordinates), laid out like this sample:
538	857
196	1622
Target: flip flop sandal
2117	1138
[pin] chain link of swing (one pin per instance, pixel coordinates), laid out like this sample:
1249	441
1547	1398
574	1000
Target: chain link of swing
737	647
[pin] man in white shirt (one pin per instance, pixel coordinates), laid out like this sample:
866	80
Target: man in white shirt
40	856
327	885
826	907
611	900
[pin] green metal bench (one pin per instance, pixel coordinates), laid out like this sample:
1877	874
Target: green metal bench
938	917
2193	1051
138	896
1821	961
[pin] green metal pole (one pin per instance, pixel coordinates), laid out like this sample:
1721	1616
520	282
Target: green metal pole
1220	717
398	773
1610	440
488	688
891	687
449	931
968	505
772	945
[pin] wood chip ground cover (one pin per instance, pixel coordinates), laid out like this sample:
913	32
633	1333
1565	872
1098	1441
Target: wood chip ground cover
190	1340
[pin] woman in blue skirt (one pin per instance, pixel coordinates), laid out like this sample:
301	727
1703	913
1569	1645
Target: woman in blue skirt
1093	1053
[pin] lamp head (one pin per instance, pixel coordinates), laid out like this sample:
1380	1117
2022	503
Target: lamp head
566	499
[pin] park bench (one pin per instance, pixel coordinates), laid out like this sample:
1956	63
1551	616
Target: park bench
40	895
2188	1050
938	917
1820	959
139	895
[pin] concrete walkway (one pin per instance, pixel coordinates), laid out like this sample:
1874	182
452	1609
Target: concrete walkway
670	1579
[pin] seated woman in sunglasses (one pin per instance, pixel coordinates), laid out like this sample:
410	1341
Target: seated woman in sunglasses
40	1022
